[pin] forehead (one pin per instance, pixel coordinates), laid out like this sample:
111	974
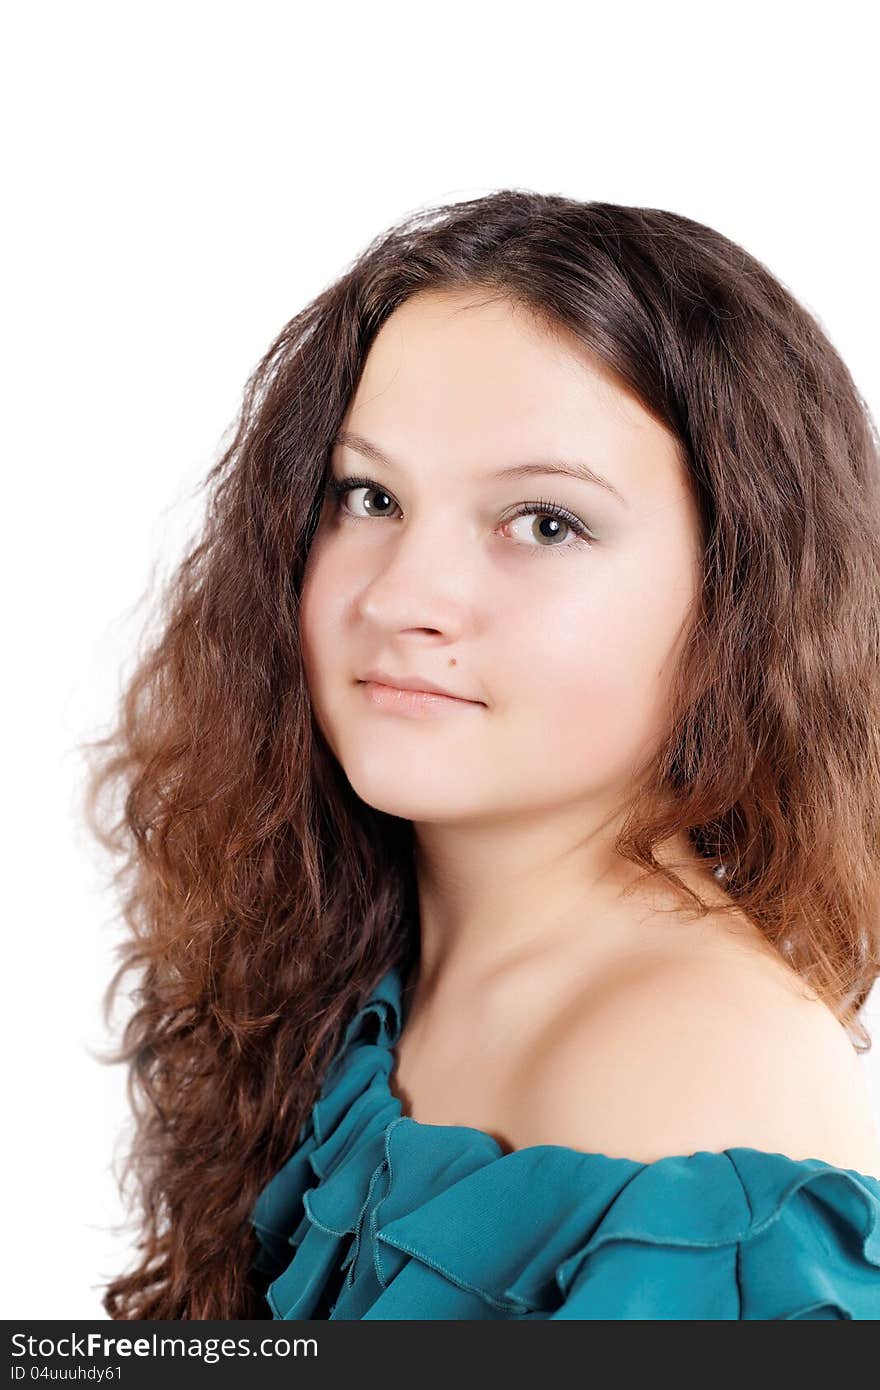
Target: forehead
455	378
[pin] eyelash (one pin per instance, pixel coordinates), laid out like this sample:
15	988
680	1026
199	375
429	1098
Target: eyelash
340	487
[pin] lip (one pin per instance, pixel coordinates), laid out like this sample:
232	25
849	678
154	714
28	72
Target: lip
418	704
418	684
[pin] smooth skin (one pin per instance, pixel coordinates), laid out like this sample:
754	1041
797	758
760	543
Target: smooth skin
548	1008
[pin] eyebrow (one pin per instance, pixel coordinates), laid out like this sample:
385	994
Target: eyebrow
574	469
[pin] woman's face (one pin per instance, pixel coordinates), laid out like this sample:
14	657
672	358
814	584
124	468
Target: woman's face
564	644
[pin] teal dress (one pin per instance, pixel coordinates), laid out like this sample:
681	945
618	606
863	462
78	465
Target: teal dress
376	1215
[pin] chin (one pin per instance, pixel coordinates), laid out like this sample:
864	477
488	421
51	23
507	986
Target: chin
396	798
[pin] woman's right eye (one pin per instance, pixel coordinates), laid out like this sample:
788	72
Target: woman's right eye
339	488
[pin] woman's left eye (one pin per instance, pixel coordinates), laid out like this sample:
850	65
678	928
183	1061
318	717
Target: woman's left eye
553	518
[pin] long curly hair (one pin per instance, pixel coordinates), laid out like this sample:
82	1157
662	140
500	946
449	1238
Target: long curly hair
262	899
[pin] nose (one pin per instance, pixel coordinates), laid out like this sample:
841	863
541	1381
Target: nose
423	577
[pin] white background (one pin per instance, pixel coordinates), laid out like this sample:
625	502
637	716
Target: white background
179	180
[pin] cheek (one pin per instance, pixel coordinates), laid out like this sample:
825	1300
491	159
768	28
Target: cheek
320	621
587	678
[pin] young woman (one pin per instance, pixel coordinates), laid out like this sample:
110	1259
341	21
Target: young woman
501	806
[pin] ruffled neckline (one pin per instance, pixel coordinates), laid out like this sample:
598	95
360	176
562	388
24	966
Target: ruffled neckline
387	1000
369	1190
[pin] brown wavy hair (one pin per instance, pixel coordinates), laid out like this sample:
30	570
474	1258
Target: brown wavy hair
262	899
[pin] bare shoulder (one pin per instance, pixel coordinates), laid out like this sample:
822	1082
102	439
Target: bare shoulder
718	1051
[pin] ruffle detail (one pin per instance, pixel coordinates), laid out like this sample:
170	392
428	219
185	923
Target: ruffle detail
436	1221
